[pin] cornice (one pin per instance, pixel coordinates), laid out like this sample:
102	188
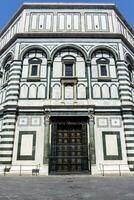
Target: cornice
68	35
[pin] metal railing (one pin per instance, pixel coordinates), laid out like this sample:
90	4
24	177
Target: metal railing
117	168
21	169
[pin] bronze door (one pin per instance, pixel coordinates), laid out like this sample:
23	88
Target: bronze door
69	152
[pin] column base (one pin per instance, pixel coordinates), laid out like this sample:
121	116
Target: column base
94	170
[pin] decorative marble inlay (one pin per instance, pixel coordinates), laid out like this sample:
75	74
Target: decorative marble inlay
23	121
51	47
114	46
115	122
87	47
102	122
35	121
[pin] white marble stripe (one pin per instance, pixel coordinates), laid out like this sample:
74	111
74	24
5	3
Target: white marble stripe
9	120
130	144
6	152
6	145
129	126
5	158
8	127
130	158
129	139
128	121
6	140
12	92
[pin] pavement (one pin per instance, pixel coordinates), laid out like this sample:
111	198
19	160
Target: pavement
66	188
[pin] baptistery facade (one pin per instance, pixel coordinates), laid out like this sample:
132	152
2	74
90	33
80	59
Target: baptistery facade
67	90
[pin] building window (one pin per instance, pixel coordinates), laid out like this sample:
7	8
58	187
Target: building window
68	64
6	69
34	65
103	70
69	79
130	71
69	69
34	70
6	74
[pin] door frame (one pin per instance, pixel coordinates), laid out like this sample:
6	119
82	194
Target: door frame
70	120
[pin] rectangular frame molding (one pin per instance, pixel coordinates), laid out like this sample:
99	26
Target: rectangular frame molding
26	157
112	157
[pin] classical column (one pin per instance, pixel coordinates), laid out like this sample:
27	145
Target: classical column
46	137
88	72
49	74
127	109
91	140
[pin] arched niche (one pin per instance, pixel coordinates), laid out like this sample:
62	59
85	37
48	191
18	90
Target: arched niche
33	47
65	56
129	59
24	91
32	91
130	66
69	46
105	48
96	91
41	94
105	91
81	91
8	59
102	58
114	91
6	64
56	91
34	57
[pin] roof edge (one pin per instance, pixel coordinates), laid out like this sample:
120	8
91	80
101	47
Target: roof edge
66	6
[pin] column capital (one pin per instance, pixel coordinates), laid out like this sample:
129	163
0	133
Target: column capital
91	115
49	61
88	61
47	116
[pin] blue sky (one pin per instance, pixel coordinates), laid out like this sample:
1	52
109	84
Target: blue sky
9	7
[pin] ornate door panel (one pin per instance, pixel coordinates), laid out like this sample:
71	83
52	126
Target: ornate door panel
69	151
